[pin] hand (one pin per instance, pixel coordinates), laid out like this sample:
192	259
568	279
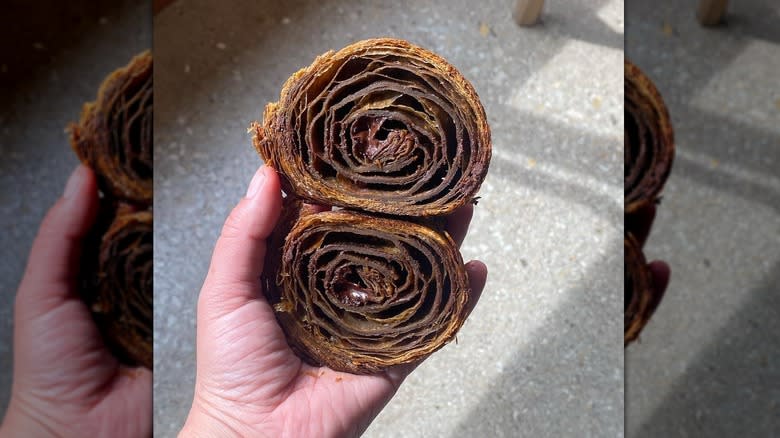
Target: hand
249	382
65	382
640	224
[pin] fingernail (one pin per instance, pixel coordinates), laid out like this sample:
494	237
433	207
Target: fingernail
257	183
74	183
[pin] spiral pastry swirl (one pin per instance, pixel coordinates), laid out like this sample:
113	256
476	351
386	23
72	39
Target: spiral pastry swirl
360	293
381	126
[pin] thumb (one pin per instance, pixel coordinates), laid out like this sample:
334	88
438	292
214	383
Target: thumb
237	261
52	267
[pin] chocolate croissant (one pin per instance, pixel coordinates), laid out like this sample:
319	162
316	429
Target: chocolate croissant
396	136
381	126
114	135
114	138
649	142
360	293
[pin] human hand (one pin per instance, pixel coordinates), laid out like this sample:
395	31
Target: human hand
640	223
249	382
66	383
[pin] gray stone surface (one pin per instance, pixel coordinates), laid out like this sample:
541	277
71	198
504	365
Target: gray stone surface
708	364
542	354
54	56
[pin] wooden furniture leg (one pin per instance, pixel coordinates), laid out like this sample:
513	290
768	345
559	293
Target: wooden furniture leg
527	12
711	12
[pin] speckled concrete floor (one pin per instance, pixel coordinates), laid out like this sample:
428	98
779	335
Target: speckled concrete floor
542	354
708	364
55	60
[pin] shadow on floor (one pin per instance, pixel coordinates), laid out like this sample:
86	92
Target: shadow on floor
733	385
522	393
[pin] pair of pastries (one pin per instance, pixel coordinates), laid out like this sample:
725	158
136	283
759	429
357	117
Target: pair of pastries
395	138
649	152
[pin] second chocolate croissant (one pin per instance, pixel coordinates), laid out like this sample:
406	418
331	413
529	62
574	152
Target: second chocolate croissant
360	293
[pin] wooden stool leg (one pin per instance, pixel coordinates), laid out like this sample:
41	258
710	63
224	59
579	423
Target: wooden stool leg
711	12
527	11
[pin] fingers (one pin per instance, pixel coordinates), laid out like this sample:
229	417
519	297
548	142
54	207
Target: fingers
477	272
660	272
640	223
458	223
239	253
53	264
317	208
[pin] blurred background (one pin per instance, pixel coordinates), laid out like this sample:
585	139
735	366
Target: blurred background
708	363
542	354
53	58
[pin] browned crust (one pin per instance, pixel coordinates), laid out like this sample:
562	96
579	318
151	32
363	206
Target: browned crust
275	139
91	138
645	104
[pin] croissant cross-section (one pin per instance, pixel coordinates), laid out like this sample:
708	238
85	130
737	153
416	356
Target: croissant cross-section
381	126
360	293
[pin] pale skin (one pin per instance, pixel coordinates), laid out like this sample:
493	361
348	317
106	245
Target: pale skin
249	382
640	224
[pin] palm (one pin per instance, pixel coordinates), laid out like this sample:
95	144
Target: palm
71	377
272	389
